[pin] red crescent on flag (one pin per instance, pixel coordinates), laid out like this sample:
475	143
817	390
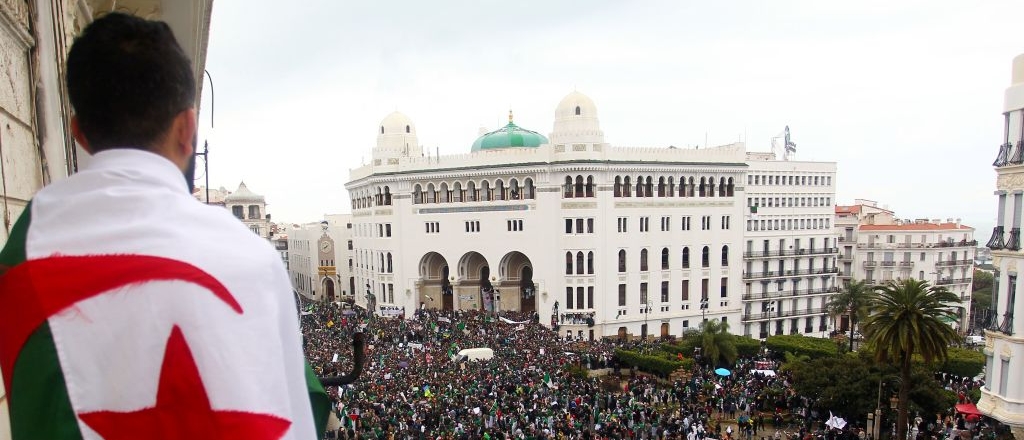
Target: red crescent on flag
33	291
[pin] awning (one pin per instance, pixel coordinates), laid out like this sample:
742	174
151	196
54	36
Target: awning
967	408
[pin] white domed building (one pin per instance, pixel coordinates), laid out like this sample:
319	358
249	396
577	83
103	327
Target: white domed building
565	225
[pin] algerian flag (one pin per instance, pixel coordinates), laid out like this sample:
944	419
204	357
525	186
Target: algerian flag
130	310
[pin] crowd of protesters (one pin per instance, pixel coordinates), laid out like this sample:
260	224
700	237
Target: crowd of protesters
414	384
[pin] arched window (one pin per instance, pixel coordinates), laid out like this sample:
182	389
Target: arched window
682	187
579	263
579	186
238	211
471	195
443	195
661	187
514	192
722	189
590	186
690	188
649	187
407	129
622	260
711	187
664	259
387	196
528	192
254	212
381	129
390	267
381	266
618	188
705	257
567	191
568	263
643	260
577	110
626	187
417	194
485	191
431	194
639	186
686	258
702	191
731	187
457	193
499	190
725	256
671	186
590	263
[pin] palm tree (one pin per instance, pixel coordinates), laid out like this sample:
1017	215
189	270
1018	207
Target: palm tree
908	317
716	343
852	302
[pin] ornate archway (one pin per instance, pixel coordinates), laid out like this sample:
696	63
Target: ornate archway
329	289
435	288
516	272
474	277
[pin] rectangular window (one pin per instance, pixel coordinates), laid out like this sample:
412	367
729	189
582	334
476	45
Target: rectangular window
579	297
579	226
622	295
686	290
1004	376
623	224
590	297
387	230
643	293
725	222
725	287
704	289
666	223
590	225
568	226
568	297
645	224
686	223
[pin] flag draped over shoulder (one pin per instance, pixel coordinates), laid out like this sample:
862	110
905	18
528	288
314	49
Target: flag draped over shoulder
143	258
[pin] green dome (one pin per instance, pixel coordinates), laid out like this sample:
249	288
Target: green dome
509	136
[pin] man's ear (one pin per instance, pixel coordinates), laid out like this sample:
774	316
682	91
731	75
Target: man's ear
183	131
76	132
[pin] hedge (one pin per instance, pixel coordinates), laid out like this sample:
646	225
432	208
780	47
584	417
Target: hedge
745	346
963	362
661	365
802	346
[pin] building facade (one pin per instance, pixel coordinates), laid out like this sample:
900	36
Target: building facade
320	259
878	247
640	241
1002	397
790	246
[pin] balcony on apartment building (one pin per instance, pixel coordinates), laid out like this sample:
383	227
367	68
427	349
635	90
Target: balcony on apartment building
789	293
949	281
788	273
939	244
948	263
761	316
790	253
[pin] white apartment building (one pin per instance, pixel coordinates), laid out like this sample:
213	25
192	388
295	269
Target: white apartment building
790	248
1002	397
570	228
877	247
320	259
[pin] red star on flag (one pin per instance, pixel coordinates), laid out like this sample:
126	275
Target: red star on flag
182	409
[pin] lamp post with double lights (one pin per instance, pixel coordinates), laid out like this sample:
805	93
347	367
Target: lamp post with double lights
703	309
647	311
771	312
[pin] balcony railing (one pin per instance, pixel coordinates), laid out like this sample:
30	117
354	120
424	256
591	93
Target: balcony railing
996	242
870	263
1017	157
888	263
787	273
788	293
948	281
785	314
1013	244
1006	326
953	263
940	244
961	243
846	257
1003	156
906	264
790	252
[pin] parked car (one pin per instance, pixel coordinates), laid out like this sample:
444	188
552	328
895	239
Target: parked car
973	340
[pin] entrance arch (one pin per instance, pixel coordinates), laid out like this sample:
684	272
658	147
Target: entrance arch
516	273
474	277
329	288
664	330
435	289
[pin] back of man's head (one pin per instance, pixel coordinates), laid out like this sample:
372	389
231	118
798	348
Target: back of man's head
128	78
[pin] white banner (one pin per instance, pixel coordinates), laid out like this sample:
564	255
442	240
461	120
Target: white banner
509	321
335	358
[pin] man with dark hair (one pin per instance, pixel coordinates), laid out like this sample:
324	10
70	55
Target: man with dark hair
130	309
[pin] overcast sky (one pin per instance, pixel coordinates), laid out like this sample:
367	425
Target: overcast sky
905	96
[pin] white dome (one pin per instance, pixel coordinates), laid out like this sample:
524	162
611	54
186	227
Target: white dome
575	105
576	121
396	137
396	123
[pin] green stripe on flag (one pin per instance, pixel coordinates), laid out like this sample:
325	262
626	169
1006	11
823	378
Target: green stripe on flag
14	249
39	403
319	401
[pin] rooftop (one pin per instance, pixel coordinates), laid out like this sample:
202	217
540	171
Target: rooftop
916	227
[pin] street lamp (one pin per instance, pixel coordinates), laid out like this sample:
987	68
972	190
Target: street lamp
703	308
647	311
770	308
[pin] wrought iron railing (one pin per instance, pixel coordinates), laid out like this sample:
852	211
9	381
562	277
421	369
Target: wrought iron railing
996	242
1018	154
1003	156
